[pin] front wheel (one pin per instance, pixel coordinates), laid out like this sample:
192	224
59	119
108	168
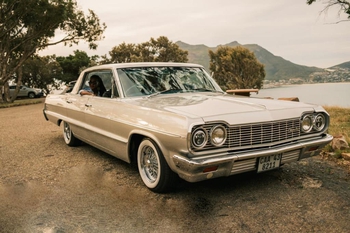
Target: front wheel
154	170
68	135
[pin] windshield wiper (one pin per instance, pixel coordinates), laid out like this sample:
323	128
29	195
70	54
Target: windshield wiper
170	91
205	90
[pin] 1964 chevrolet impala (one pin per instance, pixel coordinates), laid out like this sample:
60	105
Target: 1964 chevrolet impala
173	120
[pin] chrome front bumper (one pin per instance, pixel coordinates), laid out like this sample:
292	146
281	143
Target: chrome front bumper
203	168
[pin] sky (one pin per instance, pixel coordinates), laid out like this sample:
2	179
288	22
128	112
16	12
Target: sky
293	30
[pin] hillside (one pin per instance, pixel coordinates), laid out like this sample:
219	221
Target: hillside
345	65
276	67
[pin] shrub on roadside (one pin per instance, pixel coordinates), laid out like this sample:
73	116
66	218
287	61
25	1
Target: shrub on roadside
21	102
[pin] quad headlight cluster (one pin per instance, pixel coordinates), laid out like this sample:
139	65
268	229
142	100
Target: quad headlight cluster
313	122
216	136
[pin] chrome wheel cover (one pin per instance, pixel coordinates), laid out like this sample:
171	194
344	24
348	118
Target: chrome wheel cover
67	133
149	163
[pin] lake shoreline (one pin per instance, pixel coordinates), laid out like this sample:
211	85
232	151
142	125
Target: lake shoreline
272	86
324	94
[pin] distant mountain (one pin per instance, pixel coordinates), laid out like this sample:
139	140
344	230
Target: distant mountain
276	67
345	65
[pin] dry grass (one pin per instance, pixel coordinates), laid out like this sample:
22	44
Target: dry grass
21	102
339	125
340	121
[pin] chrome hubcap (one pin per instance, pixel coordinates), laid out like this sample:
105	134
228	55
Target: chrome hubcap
149	163
67	131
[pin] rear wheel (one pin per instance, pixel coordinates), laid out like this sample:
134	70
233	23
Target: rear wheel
154	170
68	135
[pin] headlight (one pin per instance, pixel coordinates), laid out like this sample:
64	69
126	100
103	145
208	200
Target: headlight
316	122
218	135
306	123
199	138
319	122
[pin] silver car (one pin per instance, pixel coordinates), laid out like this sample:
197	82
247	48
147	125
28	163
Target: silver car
25	91
173	120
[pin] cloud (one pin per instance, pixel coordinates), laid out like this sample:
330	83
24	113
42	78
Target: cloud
293	30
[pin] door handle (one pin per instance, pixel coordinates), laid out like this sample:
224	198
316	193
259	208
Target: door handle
88	105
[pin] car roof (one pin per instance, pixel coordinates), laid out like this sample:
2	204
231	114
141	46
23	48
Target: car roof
144	64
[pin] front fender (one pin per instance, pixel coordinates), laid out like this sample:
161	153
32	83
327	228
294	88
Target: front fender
165	142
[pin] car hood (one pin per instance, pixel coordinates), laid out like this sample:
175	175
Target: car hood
229	108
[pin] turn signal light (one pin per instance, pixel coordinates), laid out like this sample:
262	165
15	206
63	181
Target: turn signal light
210	169
313	148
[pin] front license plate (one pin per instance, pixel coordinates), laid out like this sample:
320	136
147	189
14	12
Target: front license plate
269	162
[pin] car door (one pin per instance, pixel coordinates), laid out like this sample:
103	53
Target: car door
23	91
75	111
75	106
102	117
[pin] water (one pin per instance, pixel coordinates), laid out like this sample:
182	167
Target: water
325	94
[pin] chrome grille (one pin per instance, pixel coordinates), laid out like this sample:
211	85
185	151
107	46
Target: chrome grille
263	133
258	133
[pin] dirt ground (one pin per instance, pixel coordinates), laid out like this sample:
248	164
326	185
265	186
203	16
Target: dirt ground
46	186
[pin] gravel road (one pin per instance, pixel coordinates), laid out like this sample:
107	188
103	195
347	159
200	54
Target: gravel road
46	186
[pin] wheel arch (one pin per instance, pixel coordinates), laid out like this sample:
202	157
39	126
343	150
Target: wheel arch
59	121
135	140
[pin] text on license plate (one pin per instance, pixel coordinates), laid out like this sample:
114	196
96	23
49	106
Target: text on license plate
269	162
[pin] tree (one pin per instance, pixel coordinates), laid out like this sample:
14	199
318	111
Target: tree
236	68
155	50
41	72
28	25
123	53
342	4
73	65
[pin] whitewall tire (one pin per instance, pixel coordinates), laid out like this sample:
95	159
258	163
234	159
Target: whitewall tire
154	170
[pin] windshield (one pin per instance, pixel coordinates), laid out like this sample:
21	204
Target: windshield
142	81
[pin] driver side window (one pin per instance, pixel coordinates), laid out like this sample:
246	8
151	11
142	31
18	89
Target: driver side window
107	87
